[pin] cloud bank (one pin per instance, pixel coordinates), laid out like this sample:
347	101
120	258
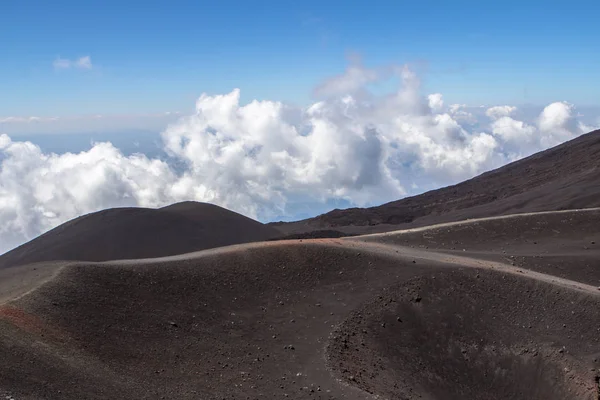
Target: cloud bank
24	125
260	157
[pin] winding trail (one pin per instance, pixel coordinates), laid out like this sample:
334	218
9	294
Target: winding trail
404	252
478	220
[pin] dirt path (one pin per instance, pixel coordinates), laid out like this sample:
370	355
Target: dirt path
463	261
476	220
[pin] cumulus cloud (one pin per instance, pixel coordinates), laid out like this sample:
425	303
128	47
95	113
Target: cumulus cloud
257	158
500	111
84	62
556	124
463	113
436	101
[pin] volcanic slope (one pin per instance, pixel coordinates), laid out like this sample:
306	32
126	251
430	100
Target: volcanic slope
132	233
563	177
349	318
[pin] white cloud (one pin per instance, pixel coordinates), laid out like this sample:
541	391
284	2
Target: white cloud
517	138
512	130
353	79
500	111
7	120
4	141
556	124
461	112
436	101
259	157
60	187
84	62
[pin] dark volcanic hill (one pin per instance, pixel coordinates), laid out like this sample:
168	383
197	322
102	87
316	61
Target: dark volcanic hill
128	233
563	177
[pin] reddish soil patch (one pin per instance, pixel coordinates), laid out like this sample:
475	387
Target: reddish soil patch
27	322
21	319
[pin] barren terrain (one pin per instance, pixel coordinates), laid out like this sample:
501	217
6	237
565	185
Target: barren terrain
485	309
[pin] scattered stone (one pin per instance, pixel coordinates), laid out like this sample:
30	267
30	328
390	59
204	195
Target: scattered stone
399	319
173	324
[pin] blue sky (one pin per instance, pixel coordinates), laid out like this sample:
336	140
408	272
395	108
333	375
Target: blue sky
151	56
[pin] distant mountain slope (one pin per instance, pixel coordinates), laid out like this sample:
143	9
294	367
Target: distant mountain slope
563	177
128	233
